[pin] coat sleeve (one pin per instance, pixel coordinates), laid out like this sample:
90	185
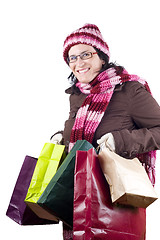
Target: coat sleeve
145	113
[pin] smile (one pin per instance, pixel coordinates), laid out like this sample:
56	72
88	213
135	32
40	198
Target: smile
83	70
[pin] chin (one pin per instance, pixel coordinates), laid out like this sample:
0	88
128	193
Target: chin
84	80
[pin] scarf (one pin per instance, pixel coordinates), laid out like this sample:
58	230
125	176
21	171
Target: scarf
90	114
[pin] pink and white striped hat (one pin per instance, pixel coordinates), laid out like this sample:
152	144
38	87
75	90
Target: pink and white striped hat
89	34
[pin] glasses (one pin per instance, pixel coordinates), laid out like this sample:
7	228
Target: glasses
83	56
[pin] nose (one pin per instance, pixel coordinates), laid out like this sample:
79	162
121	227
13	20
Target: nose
80	62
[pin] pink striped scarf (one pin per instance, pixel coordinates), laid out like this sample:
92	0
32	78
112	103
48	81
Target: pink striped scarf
90	114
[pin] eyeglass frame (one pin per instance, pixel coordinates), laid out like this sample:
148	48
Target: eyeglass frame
80	55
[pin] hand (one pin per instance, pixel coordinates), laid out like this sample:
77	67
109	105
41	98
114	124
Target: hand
56	139
107	141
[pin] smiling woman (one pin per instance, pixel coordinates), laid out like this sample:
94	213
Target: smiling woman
109	106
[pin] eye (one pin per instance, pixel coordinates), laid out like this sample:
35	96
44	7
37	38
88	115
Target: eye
86	54
72	58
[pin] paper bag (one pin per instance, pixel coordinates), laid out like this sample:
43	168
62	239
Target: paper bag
46	167
128	180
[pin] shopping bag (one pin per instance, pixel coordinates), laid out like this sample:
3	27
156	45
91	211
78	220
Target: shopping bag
17	209
58	195
128	180
95	217
48	162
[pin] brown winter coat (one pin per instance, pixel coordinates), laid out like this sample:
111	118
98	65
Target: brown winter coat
132	116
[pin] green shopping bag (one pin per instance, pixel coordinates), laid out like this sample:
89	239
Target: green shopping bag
48	162
58	195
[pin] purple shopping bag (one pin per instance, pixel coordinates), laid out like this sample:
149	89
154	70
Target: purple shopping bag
17	209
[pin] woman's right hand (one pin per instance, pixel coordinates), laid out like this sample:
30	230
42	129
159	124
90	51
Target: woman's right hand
56	138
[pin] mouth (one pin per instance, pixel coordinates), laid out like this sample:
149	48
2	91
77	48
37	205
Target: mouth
84	70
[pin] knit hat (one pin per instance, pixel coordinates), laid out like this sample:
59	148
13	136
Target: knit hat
89	34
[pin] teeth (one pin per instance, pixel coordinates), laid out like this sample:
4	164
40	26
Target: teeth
83	71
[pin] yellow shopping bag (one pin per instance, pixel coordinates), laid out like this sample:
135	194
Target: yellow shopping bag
48	162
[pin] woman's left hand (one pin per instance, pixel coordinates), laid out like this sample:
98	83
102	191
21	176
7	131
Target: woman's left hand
107	141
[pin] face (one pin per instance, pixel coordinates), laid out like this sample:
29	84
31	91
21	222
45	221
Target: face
85	70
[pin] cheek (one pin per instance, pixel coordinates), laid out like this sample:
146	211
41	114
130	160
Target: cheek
97	65
71	67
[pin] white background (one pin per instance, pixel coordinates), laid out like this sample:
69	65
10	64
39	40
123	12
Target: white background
33	78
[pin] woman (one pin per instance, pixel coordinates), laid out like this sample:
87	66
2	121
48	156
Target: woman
108	106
